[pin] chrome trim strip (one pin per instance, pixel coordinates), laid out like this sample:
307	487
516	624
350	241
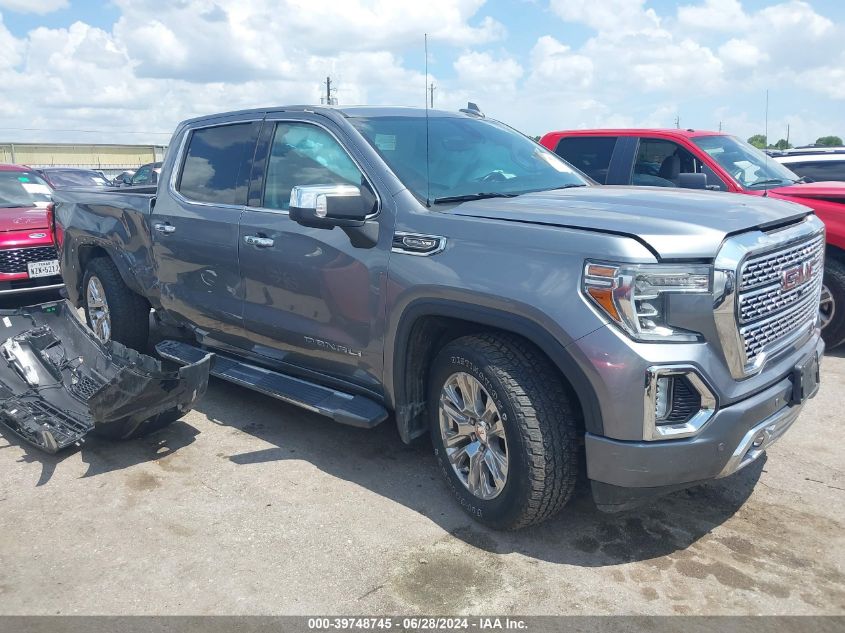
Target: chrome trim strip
772	428
651	430
15	291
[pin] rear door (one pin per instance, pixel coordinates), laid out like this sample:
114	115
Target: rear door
195	227
313	300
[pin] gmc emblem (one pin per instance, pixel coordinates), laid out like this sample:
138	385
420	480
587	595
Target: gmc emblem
795	276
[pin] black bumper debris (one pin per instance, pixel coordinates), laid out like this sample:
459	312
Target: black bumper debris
58	382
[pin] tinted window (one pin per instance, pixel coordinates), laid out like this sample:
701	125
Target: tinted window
142	175
304	154
216	164
820	170
590	154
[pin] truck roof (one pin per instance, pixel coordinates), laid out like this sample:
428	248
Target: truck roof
688	133
346	111
14	168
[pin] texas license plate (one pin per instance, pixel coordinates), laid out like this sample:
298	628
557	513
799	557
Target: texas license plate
805	380
43	269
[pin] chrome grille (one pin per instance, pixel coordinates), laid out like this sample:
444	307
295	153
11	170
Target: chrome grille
14	260
768	314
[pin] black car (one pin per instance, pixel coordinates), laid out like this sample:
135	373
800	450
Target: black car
145	175
69	177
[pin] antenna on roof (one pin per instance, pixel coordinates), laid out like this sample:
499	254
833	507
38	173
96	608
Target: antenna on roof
766	141
427	168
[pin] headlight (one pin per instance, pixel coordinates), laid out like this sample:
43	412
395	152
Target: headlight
634	295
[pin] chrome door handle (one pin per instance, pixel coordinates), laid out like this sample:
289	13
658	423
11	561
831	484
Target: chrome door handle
164	228
260	242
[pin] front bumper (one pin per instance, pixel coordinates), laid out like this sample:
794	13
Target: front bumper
625	472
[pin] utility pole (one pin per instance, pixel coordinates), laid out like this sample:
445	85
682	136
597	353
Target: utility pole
678	121
328	99
431	89
787	136
720	126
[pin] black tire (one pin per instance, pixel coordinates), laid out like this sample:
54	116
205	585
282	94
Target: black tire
540	425
834	279
129	312
127	430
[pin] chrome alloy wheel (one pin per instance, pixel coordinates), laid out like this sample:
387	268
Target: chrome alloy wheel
474	437
827	307
98	309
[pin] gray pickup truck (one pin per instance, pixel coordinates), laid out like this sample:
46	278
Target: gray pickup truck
444	269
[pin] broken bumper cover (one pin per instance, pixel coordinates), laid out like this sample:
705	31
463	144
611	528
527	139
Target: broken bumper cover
58	382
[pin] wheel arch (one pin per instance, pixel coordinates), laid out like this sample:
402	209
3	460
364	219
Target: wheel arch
91	250
426	325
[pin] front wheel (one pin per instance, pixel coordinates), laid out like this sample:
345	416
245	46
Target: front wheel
832	307
503	430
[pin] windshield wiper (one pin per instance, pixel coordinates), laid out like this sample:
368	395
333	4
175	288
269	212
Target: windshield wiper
771	181
474	196
569	186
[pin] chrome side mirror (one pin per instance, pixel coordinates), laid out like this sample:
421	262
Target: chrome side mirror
328	205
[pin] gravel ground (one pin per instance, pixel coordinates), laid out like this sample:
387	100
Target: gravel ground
249	506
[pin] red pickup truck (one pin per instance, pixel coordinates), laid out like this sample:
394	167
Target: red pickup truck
711	160
27	251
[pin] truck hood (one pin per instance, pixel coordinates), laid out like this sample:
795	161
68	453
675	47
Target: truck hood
23	219
830	190
676	224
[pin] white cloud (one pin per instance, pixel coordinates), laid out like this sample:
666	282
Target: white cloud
607	15
741	53
39	7
482	70
715	15
555	65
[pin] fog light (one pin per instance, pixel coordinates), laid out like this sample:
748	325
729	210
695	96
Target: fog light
759	440
663	398
677	402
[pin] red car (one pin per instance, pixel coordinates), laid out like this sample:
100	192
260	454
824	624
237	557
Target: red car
712	160
28	259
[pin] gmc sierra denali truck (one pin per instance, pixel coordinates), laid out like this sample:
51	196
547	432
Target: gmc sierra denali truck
445	269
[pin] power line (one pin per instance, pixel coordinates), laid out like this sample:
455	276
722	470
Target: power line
116	132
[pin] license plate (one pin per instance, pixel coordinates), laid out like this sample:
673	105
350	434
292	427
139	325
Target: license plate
805	380
43	269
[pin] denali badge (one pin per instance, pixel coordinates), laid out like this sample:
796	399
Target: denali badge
795	276
37	236
334	347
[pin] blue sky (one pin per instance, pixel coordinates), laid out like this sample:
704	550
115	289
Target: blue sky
129	67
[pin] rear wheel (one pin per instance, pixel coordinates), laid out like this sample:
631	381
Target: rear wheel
503	429
832	307
112	310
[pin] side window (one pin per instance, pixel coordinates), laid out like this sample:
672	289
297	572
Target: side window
216	164
660	163
590	154
820	170
305	154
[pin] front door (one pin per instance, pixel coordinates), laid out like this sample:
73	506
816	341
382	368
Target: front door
195	229
312	300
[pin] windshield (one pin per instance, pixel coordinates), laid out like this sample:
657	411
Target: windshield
749	166
23	189
467	157
79	178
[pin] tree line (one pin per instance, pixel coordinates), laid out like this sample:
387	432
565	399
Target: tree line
759	141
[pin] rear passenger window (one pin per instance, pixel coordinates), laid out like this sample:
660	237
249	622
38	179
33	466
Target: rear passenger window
590	154
216	164
820	170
